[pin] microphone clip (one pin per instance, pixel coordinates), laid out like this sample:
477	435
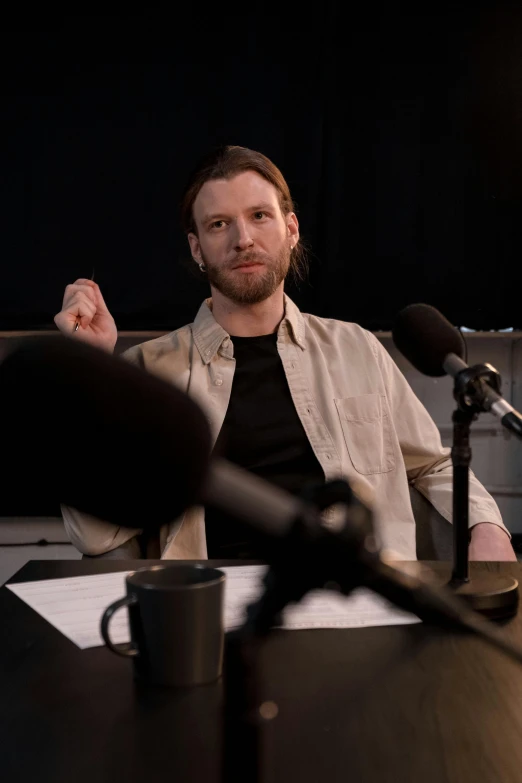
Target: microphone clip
471	387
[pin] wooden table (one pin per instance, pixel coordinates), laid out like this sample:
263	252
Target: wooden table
398	704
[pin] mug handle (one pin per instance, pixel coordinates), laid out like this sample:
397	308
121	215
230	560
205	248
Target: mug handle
125	650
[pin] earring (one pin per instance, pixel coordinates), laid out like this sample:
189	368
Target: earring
202	267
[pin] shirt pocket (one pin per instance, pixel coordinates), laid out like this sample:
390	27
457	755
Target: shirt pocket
367	431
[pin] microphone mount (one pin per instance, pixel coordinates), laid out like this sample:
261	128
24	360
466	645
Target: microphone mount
472	385
477	389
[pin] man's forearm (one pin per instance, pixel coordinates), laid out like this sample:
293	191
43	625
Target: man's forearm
490	542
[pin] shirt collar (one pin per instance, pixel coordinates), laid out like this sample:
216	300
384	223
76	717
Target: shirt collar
209	336
293	317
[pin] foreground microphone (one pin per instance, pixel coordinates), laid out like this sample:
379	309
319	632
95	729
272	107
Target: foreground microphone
94	432
436	348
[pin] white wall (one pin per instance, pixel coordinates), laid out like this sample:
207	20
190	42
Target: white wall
19	539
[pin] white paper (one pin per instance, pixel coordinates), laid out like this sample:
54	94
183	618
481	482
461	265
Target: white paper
75	605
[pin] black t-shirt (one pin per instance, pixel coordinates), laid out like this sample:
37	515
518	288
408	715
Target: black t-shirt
262	433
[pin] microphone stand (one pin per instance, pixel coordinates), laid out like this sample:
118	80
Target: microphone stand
460	459
493	595
297	568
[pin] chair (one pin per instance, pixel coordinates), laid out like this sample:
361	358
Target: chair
433	533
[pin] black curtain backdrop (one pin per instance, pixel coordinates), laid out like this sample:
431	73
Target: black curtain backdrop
398	130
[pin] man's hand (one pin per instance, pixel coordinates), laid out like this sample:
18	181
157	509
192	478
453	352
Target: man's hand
83	302
490	542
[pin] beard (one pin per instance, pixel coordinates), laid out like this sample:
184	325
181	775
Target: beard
250	288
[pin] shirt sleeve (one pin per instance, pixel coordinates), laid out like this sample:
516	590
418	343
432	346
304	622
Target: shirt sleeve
427	461
93	536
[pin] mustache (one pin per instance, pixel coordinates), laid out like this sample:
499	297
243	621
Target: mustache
249	256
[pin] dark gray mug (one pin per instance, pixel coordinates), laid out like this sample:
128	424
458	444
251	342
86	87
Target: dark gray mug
176	624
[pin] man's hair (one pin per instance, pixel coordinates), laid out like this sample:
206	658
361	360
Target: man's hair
227	162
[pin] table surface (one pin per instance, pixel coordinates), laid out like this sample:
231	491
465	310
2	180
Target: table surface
399	704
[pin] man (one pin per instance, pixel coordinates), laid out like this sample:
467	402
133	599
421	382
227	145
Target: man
297	399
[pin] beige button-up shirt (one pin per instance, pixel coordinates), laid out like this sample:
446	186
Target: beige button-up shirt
361	417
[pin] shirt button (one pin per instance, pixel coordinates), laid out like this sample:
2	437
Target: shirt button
218	382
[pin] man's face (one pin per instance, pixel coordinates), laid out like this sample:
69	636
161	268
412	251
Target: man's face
243	238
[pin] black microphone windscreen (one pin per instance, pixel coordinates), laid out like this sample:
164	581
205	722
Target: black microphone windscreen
92	431
425	337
